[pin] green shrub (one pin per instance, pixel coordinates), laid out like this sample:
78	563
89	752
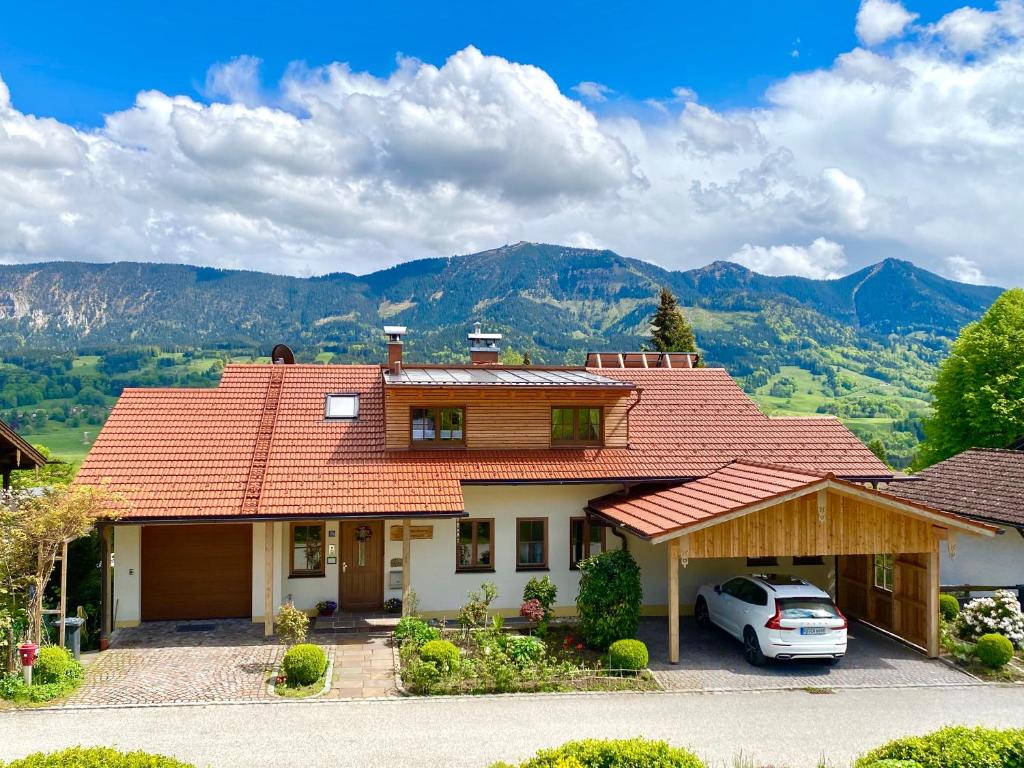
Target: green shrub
613	753
96	757
442	653
52	665
304	664
994	650
955	747
949	607
544	591
627	654
895	764
609	598
474	613
415	630
292	624
524	649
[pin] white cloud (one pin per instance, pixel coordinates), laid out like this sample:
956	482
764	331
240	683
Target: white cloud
969	30
822	259
591	91
909	151
964	270
881	20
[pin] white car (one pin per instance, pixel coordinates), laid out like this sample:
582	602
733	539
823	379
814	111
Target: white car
778	617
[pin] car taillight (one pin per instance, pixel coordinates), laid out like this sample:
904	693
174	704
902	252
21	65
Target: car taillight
842	616
775	622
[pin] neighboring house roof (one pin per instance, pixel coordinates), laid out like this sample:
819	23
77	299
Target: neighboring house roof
983	483
193	452
735	489
16	452
499	376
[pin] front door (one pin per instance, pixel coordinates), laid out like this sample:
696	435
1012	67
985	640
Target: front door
362	565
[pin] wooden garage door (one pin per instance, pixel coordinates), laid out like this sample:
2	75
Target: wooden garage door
196	572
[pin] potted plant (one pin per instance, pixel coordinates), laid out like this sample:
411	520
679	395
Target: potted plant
326	608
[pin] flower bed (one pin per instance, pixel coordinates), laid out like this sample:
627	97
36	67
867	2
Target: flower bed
57	675
495	660
997	619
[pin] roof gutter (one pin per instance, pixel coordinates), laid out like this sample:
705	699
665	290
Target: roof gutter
199	520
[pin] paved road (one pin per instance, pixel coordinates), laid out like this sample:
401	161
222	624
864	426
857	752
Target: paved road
473	732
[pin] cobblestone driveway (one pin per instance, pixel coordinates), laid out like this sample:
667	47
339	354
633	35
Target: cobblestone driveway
710	660
158	664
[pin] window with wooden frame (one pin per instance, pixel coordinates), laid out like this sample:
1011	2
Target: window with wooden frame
438	427
307	549
531	543
474	545
883	572
598	541
576	426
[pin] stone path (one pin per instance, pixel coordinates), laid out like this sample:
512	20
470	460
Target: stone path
157	664
711	660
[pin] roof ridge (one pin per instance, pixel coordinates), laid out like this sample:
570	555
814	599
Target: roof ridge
264	439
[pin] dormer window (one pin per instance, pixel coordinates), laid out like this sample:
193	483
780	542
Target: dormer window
342	406
438	427
576	426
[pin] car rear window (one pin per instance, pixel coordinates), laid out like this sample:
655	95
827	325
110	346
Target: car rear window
807	608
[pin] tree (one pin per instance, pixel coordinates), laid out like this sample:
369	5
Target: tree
877	447
53	473
979	390
671	332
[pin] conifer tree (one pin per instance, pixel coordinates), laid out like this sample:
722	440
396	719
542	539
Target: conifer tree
671	331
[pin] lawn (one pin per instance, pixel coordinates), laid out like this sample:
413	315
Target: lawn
68	444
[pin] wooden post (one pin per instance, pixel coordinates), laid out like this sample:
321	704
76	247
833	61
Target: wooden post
62	630
37	608
106	596
932	601
673	601
6	479
406	564
268	579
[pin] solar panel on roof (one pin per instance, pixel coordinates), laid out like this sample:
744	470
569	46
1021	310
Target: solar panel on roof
496	376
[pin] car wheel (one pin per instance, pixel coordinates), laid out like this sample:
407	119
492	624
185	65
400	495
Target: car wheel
702	614
752	648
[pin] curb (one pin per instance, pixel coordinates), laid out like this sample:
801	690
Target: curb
272	688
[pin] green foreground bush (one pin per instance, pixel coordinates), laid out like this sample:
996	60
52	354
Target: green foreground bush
609	599
994	651
304	664
415	630
56	674
628	654
96	757
949	607
52	665
611	753
442	653
956	747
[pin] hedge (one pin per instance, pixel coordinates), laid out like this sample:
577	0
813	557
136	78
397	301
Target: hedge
955	747
96	757
612	753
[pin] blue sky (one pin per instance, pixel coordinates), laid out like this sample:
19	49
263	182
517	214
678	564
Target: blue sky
99	55
801	137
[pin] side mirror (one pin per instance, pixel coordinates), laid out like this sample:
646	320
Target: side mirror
718	589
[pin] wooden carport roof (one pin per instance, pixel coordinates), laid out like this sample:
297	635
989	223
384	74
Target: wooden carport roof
741	488
16	453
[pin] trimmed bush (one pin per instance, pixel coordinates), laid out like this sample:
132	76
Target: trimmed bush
304	664
955	747
627	654
96	757
609	599
949	607
994	650
612	753
415	630
895	764
52	665
442	653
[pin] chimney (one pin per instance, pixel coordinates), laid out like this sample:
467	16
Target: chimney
483	347
394	334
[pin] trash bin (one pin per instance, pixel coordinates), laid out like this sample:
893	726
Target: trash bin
73	635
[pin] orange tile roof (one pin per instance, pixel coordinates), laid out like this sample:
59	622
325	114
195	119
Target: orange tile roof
732	489
188	452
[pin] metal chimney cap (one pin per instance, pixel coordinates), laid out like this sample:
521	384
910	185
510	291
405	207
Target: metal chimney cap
395	330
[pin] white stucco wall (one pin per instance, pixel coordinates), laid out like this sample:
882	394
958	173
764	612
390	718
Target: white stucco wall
127	575
996	560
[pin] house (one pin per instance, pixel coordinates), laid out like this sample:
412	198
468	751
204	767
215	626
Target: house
16	454
985	484
357	483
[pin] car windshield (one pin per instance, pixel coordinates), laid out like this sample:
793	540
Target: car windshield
807	608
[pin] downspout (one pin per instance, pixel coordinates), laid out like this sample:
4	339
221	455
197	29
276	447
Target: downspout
629	410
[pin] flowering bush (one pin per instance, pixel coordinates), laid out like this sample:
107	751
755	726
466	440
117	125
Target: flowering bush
532	610
999	614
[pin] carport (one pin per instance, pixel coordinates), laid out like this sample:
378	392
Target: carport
887	548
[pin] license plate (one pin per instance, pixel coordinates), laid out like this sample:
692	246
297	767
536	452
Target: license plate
813	630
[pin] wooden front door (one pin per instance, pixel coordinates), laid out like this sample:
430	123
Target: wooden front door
362	565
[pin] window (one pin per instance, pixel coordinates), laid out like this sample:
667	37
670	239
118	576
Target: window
598	541
576	426
749	592
341	407
474	548
438	426
883	572
531	543
812	560
307	549
762	562
733	587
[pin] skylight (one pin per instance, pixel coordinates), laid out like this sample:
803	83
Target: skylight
342	407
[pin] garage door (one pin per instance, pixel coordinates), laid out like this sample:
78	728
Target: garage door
196	572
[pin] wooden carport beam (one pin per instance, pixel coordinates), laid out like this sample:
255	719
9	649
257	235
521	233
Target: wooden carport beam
406	565
268	579
932	600
673	601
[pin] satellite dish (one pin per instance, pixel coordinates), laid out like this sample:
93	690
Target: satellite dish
282	355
